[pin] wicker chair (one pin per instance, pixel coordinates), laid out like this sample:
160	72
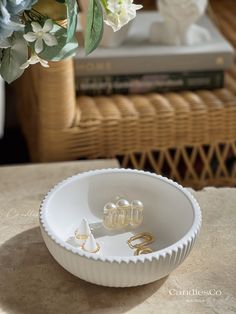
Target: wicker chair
188	136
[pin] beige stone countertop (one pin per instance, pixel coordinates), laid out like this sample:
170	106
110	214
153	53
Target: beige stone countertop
31	281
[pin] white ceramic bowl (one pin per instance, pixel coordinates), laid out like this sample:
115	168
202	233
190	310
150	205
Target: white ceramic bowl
171	214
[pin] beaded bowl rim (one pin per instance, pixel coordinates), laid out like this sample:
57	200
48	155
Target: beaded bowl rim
179	245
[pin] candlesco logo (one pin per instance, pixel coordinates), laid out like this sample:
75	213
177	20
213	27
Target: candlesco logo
195	292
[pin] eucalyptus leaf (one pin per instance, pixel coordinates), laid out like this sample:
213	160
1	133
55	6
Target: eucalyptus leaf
94	27
72	10
13	58
69	50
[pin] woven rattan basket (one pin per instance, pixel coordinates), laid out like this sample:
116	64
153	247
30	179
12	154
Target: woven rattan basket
188	136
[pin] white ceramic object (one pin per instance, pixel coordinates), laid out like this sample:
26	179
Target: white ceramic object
172	216
178	26
82	232
111	39
91	245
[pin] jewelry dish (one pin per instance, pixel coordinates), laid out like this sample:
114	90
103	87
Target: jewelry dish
171	215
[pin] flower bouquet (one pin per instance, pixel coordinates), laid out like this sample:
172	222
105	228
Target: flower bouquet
38	31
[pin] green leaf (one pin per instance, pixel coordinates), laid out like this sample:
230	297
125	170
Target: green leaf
61	51
104	3
72	10
68	50
6	43
13	58
94	27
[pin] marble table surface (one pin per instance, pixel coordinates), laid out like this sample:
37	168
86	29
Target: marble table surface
31	282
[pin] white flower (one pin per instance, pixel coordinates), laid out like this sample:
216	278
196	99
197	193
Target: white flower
33	60
120	12
41	34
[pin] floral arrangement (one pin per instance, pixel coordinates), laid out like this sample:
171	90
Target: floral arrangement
38	31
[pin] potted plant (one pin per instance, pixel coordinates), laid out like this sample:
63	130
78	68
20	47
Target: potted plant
39	31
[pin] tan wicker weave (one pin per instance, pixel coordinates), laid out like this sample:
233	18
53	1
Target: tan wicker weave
188	136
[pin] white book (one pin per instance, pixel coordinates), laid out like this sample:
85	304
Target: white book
137	55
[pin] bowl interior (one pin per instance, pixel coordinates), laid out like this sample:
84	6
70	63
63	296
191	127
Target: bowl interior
168	212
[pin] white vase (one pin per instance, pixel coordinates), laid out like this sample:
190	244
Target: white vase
114	39
110	38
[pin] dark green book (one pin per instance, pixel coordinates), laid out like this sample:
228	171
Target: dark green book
148	83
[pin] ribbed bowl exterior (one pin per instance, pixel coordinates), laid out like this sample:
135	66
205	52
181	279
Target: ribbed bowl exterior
114	274
120	271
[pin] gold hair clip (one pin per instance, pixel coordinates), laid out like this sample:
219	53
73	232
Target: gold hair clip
143	250
141	247
146	236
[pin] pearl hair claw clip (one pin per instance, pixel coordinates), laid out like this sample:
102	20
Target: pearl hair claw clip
123	214
137	213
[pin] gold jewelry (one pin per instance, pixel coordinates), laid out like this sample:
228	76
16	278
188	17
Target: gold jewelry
83	232
146	236
80	236
143	250
94	251
90	245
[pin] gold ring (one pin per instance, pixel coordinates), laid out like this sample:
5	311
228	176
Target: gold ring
81	236
143	250
146	236
95	251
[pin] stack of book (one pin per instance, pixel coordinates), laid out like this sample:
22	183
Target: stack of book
139	66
